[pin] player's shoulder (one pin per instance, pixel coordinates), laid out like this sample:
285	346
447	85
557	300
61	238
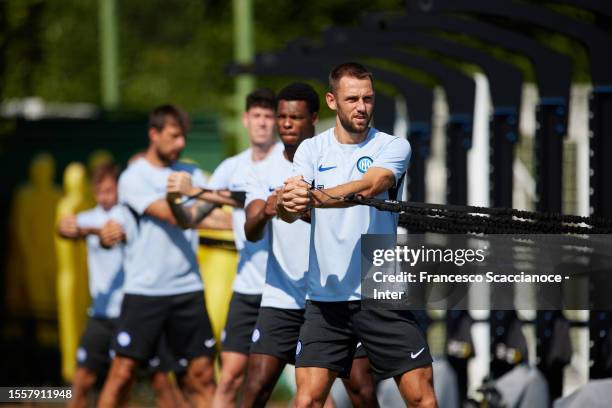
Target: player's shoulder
120	213
237	159
117	209
184	166
267	168
134	171
318	142
275	154
243	156
386	139
278	149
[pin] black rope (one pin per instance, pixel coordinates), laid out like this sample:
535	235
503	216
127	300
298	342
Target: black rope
480	220
464	219
196	195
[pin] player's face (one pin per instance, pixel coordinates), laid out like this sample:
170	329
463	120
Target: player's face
259	123
169	142
353	101
295	122
105	192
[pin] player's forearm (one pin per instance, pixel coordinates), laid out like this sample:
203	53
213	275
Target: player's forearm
217	220
223	197
67	236
330	198
181	215
369	186
189	217
79	233
254	226
83	232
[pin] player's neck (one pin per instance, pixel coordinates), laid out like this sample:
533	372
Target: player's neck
343	136
261	151
153	158
289	152
105	207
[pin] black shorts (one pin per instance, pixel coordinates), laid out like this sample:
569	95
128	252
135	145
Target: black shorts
276	333
391	338
164	359
95	350
241	318
360	351
182	319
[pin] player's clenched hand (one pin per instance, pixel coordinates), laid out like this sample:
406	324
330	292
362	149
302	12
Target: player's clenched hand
295	196
179	183
68	227
111	233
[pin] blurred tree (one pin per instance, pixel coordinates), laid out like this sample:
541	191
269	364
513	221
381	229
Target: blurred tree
51	50
3	43
170	50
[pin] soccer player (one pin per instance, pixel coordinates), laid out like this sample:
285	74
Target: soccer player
282	306
163	288
350	158
258	119
105	267
231	174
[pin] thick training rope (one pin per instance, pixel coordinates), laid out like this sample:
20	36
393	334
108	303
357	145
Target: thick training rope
181	201
483	220
460	219
466	219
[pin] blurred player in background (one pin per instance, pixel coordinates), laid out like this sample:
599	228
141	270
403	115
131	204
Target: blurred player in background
163	288
105	267
231	175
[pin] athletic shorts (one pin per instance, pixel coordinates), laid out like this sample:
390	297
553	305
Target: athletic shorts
164	359
95	350
276	333
391	338
360	351
241	318
182	319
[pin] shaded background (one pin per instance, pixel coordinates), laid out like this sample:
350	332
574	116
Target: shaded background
55	98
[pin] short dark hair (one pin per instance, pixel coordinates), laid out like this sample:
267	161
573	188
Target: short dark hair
105	170
299	91
159	116
348	69
262	98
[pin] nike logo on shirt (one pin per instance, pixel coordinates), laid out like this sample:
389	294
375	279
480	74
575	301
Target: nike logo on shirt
415	355
321	168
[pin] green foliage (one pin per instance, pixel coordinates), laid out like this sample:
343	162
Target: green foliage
170	50
177	50
51	50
